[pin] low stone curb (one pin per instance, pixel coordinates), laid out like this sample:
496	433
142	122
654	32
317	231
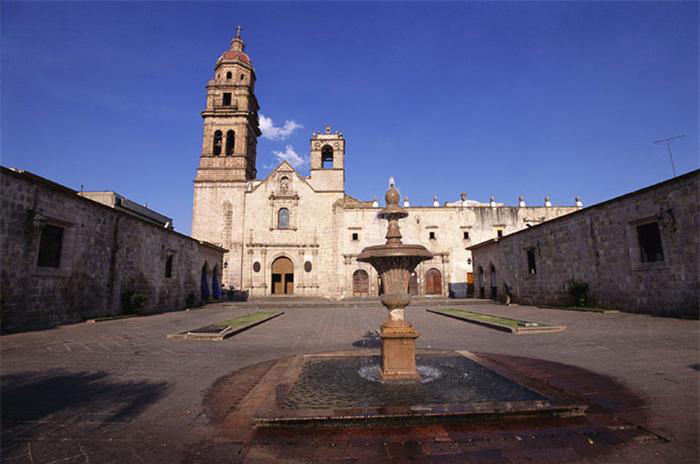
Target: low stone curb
504	328
580	309
219	336
129	316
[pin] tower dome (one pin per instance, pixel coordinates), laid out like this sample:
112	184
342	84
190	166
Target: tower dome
235	52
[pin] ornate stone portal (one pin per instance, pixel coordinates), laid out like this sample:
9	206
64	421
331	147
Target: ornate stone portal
395	262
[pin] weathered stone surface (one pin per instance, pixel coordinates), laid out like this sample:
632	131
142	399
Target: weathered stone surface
599	246
105	252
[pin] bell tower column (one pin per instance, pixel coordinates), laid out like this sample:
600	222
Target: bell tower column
228	157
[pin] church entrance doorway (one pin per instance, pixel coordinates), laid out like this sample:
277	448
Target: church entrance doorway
433	282
360	283
282	276
470	284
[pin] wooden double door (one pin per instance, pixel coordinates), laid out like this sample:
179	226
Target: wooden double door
433	282
360	283
282	276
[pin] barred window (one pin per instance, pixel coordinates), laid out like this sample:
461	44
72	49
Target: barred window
50	246
169	266
650	242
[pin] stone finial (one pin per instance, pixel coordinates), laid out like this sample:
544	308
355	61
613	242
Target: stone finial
406	204
463	196
436	203
392	196
521	201
237	42
492	202
392	182
328	129
375	203
579	203
547	203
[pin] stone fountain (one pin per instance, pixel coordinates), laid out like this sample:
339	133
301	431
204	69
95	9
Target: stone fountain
395	261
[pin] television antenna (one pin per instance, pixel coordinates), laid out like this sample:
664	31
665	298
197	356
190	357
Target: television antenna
668	144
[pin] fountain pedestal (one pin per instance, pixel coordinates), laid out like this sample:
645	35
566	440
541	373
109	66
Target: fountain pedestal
398	350
394	262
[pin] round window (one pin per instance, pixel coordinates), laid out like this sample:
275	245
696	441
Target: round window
256	266
307	266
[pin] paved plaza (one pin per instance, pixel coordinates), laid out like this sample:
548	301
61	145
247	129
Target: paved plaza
119	391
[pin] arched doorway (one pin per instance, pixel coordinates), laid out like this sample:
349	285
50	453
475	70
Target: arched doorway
215	284
205	282
413	284
481	282
282	276
433	282
494	286
360	283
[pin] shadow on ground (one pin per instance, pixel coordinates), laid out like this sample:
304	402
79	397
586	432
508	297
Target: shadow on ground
370	339
32	402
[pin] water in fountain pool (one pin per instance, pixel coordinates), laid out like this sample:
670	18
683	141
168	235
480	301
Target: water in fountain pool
354	381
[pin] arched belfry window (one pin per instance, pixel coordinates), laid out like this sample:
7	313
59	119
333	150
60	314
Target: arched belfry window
217	143
230	138
283	218
327	157
229	75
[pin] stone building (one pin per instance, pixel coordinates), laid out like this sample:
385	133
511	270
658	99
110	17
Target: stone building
291	234
637	252
66	258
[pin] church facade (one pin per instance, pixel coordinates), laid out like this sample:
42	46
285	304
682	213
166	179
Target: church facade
289	234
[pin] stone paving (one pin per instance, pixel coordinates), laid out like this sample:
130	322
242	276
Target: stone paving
118	391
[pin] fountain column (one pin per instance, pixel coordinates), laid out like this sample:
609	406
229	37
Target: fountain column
395	262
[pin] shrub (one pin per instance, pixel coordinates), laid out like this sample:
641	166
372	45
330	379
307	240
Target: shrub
133	300
191	300
579	293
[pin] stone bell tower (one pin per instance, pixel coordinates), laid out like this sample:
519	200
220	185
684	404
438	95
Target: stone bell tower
230	119
327	161
227	160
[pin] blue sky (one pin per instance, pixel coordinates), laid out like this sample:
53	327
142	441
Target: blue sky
489	98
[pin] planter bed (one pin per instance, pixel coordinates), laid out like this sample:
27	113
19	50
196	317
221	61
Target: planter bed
505	324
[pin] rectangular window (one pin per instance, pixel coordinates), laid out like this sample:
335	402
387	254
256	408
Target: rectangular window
227	99
169	266
650	242
50	246
355	237
531	263
499	233
432	235
466	235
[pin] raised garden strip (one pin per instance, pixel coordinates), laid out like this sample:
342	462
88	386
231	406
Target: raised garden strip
581	309
505	324
224	329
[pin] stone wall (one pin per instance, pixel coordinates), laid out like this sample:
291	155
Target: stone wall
600	246
104	253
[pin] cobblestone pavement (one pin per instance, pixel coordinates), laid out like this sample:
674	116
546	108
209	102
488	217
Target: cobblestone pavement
118	391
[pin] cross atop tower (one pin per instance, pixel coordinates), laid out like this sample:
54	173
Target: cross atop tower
238	31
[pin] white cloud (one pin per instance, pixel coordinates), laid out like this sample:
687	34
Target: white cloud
290	156
270	132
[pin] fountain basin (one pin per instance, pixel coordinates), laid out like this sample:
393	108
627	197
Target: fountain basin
346	387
